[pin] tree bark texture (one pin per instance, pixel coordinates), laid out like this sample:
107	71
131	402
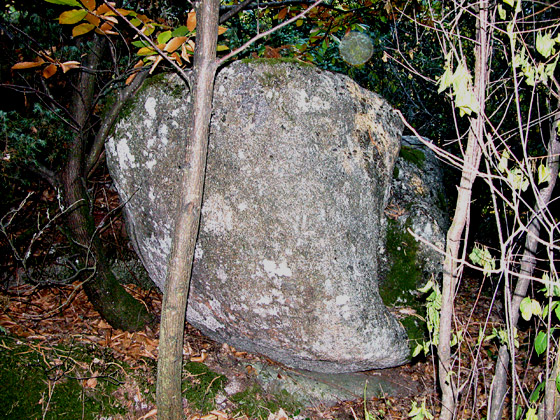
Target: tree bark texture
105	293
462	211
528	262
169	400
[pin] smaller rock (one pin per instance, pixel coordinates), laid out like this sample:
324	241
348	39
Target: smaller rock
312	388
418	203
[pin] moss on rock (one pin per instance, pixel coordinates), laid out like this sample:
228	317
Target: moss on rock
273	61
412	155
405	273
403	278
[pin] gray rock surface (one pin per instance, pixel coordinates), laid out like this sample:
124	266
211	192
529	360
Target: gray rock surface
298	175
418	205
312	388
418	192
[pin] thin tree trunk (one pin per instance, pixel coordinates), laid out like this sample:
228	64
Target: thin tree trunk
169	401
528	262
462	211
551	408
108	297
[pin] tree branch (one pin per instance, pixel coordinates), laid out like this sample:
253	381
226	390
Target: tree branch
234	9
266	33
182	73
110	118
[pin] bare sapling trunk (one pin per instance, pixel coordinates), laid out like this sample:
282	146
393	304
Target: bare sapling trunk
169	400
551	408
456	231
105	293
179	268
528	262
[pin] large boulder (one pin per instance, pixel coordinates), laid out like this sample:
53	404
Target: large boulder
299	167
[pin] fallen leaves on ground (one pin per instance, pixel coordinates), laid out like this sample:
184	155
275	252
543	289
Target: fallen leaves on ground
62	314
53	315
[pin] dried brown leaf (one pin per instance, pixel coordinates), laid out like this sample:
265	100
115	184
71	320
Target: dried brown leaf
191	21
28	64
49	71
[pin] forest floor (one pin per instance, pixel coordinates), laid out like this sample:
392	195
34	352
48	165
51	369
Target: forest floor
65	340
74	365
60	360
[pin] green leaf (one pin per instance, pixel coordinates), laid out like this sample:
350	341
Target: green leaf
558	382
135	22
551	286
446	79
222	48
544	174
82	28
503	336
481	256
461	78
517	179
465	99
427	287
148	29
140	44
501	12
509	2
557	311
417	350
549	308
492	336
74	3
519	60
180	31
550	68
71	17
541	342
536	308
536	394
415	410
454	340
503	164
163	37
525	308
531	414
420	413
480	338
145	51
545	44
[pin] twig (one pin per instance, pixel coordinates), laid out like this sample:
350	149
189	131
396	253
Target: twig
234	9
